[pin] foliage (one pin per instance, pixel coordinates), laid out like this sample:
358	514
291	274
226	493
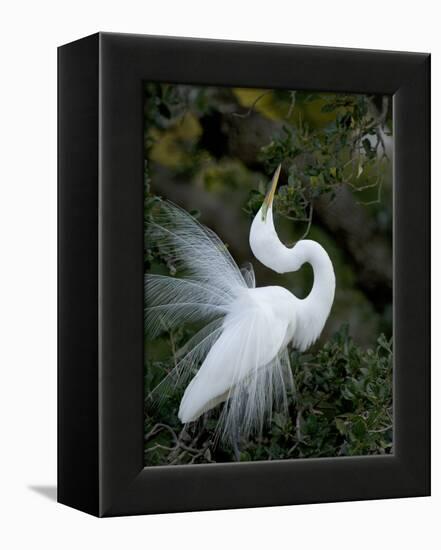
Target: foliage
319	160
325	141
341	406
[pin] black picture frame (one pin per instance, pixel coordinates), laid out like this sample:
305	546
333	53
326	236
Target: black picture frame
100	284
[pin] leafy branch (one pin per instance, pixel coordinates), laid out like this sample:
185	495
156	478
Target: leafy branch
350	150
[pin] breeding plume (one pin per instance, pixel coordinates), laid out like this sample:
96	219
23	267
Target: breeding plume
240	355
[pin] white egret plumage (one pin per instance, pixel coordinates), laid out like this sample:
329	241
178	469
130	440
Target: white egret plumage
240	356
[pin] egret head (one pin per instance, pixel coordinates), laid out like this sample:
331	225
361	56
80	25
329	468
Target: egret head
264	241
267	205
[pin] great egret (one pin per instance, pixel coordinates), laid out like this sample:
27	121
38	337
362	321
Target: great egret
240	355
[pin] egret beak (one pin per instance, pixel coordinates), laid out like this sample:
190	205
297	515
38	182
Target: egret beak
268	201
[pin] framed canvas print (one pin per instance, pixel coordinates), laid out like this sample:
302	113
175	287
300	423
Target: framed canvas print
244	301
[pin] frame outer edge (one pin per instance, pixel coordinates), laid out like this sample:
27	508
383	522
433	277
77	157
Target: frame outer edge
77	384
125	487
413	175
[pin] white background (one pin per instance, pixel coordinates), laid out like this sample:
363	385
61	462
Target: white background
30	33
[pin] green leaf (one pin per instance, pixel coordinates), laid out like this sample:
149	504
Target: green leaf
359	428
341	425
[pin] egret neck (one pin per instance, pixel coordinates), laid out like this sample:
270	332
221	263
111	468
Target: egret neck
270	251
